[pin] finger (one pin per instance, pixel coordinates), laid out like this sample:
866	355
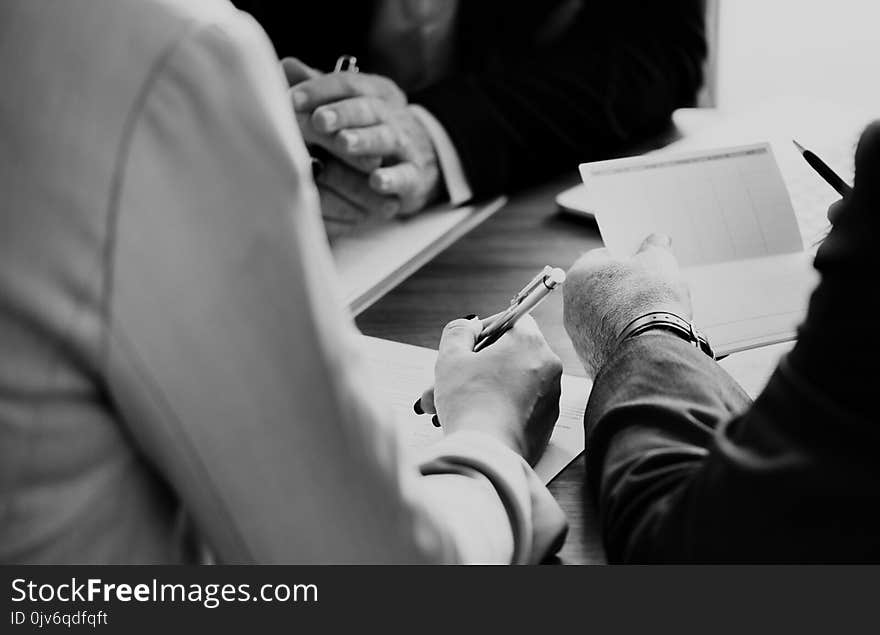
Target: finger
356	112
401	179
332	87
364	164
835	210
525	328
335	207
296	71
374	141
426	403
656	253
459	336
353	186
656	240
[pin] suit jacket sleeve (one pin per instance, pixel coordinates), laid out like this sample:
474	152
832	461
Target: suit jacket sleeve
231	357
613	76
685	469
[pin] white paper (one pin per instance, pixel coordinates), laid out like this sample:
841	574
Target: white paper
829	130
375	259
718	206
749	303
401	372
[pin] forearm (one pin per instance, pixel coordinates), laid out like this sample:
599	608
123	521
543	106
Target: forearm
651	420
681	479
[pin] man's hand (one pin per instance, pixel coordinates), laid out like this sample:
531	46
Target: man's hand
603	295
509	390
365	122
347	200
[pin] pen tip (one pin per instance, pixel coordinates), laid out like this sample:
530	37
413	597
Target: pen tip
800	148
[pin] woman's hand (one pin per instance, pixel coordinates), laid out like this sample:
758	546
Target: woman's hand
509	390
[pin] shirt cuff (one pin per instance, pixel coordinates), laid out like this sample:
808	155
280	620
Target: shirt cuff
457	185
537	521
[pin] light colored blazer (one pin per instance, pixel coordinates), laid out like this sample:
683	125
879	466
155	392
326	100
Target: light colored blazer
176	365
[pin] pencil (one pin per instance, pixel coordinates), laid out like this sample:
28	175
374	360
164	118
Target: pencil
830	177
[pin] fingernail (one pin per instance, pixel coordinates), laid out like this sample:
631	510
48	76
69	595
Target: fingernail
327	119
436	421
417	407
350	140
299	99
470	316
383	183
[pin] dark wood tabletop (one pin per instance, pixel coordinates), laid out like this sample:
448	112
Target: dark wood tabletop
479	274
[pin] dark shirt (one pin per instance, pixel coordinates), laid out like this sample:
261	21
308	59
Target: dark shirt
536	87
685	469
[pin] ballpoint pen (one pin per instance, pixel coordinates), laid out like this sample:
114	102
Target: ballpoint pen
523	303
346	64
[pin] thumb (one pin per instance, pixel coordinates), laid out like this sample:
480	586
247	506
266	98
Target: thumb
656	240
296	71
459	336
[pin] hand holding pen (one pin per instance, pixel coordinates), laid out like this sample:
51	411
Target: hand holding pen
509	391
493	328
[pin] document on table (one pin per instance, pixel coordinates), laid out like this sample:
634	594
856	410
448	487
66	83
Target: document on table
375	259
403	371
733	230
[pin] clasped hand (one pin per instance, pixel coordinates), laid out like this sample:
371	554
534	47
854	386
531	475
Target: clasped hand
381	163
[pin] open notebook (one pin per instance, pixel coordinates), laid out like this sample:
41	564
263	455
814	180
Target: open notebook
375	259
733	230
402	372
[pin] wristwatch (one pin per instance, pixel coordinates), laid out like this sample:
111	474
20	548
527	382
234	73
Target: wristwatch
665	321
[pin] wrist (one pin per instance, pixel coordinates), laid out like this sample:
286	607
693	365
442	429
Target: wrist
613	325
668	322
492	421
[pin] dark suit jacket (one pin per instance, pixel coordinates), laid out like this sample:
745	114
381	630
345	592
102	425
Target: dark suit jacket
538	86
685	469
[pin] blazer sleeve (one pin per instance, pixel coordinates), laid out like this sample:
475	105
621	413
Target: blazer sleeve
232	360
686	470
614	76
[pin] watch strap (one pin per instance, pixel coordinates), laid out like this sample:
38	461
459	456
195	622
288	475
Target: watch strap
666	321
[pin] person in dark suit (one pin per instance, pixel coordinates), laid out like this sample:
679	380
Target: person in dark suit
683	467
464	100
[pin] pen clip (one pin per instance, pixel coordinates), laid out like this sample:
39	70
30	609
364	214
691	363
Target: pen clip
527	290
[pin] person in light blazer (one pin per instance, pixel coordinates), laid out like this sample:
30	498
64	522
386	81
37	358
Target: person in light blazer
178	374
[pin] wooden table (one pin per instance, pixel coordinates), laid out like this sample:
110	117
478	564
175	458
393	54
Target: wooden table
479	274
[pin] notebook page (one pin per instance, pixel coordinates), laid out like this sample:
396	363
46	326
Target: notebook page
750	303
718	205
830	130
401	372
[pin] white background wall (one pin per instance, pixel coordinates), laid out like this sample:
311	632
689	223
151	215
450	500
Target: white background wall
828	49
